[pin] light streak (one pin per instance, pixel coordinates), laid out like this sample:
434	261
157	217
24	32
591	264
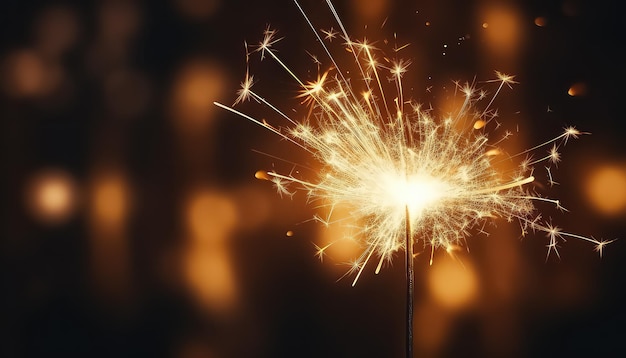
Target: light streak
397	166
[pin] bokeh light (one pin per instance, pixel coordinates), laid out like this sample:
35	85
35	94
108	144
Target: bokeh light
197	85
56	31
541	21
110	204
336	243
132	228
110	200
370	11
606	189
452	283
433	323
26	74
52	196
577	89
211	278
197	9
503	31
210	216
207	264
118	21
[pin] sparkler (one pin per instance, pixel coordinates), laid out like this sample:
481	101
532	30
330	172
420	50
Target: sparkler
408	176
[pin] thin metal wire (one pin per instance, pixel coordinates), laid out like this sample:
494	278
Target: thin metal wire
410	283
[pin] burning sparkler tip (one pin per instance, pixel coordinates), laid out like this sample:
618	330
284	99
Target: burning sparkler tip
378	157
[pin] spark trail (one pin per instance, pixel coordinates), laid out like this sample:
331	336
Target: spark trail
400	169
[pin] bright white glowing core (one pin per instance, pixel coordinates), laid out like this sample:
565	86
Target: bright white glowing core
383	154
419	192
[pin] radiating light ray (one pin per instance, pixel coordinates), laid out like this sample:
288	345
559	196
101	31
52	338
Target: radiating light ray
264	125
399	170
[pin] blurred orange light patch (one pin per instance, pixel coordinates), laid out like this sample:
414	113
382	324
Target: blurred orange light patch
503	30
368	10
452	284
577	89
118	21
52	196
433	324
253	203
210	276
541	21
335	241
26	74
56	30
210	216
207	268
606	189
197	9
197	85
110	199
109	206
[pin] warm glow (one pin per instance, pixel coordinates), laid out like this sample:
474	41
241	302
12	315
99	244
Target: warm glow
25	74
541	21
56	30
336	243
452	283
210	215
503	30
118	21
109	206
383	154
207	267
262	175
110	200
198	9
577	89
52	196
606	189
370	10
210	276
479	124
197	84
418	192
434	323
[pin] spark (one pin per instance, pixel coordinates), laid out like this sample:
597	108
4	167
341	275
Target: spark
329	34
600	246
395	168
321	251
554	233
268	41
243	94
398	49
550	179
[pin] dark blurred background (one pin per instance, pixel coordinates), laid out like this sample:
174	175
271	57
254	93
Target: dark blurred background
132	224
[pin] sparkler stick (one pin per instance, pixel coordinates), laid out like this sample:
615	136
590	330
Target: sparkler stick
408	174
410	290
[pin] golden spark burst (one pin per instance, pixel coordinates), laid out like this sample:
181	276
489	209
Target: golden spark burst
386	157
